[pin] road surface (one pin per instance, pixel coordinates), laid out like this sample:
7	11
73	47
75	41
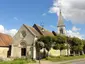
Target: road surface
78	61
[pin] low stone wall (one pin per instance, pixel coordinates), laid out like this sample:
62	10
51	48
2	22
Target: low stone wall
53	52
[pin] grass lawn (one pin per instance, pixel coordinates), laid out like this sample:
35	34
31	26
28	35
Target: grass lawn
64	58
18	61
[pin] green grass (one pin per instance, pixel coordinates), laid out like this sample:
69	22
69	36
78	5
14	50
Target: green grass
64	58
18	61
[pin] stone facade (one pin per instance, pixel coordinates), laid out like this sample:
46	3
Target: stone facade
22	45
3	52
62	30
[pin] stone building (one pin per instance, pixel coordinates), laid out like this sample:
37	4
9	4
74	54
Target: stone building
5	48
23	44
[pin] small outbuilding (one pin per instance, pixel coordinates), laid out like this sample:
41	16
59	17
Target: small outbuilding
5	48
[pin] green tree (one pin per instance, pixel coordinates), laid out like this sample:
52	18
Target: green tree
48	42
69	40
83	46
60	43
77	45
39	46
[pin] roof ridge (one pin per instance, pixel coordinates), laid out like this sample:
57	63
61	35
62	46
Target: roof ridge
29	29
43	28
40	30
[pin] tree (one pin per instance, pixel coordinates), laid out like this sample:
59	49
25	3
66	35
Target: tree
39	46
69	40
60	43
56	46
48	42
76	45
83	47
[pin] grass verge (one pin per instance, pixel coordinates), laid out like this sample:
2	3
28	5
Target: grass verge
18	61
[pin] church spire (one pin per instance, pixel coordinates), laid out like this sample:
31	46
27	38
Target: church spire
60	19
61	26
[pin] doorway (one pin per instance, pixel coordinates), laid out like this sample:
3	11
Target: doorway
23	51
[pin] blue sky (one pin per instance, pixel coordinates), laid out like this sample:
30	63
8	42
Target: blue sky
26	12
14	13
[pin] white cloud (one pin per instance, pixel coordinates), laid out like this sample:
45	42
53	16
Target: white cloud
74	28
73	10
43	14
15	18
52	26
11	32
75	32
2	29
54	10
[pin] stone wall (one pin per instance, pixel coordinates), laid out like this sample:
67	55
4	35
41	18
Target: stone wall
53	52
3	52
28	40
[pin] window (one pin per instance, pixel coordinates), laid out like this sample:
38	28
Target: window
23	44
61	31
23	33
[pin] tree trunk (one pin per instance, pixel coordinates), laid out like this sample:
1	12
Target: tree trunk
68	48
67	52
47	53
82	52
60	52
79	53
73	53
44	53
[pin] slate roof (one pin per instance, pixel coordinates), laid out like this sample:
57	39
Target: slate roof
54	33
42	31
36	30
5	40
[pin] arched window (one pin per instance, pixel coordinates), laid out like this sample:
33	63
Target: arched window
23	33
23	44
61	31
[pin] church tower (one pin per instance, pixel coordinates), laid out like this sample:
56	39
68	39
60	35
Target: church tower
61	26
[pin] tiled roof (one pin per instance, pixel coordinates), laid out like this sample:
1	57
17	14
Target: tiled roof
32	30
42	31
5	40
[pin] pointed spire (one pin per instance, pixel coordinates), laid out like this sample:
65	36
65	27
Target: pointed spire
60	19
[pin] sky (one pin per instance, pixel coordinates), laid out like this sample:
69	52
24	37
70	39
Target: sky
15	13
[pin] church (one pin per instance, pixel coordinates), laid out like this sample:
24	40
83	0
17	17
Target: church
22	45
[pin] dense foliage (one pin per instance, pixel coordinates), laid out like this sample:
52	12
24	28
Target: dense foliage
61	42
